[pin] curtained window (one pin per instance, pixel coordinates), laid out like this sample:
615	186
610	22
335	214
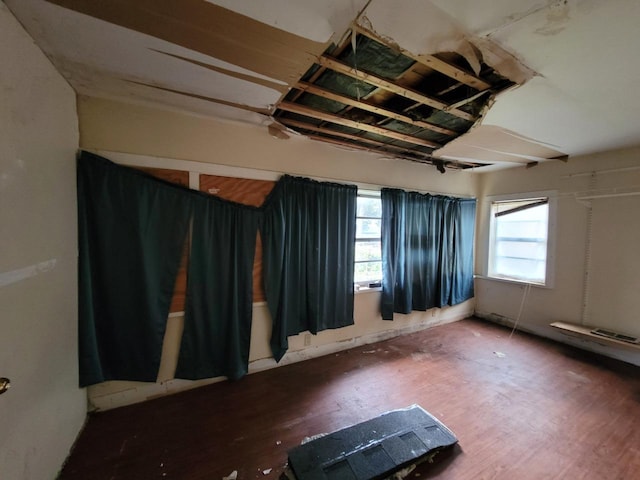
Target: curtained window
308	239
427	251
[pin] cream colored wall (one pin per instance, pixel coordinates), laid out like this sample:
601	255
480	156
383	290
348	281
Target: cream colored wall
597	265
166	139
43	411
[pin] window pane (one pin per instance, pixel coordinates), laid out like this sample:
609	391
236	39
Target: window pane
368	251
368	228
519	248
369	207
368	271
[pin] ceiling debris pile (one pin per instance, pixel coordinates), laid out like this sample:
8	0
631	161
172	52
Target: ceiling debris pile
366	93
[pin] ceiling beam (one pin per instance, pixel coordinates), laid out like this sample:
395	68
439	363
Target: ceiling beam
379	82
329	117
374	143
321	92
338	50
432	62
327	131
341	143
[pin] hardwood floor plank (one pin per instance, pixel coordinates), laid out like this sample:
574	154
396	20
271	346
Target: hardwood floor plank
521	407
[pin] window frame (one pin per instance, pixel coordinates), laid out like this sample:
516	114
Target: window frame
551	196
368	284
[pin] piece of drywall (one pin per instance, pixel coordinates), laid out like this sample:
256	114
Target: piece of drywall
42	412
596	260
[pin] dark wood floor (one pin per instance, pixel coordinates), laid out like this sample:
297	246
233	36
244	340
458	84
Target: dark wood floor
540	411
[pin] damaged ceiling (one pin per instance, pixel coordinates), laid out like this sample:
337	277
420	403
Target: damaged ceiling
454	83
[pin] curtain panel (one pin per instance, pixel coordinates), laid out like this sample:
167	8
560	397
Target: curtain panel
219	305
131	231
427	251
308	237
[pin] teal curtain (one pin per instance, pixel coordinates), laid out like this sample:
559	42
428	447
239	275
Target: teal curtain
427	251
308	239
217	331
131	232
463	239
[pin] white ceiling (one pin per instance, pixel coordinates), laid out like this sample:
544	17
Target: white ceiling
579	59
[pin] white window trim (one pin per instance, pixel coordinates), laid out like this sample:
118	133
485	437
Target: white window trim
363	286
552	195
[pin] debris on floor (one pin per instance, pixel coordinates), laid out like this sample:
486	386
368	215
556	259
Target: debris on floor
378	448
500	354
232	476
267	471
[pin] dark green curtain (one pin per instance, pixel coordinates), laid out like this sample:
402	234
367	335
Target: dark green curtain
131	232
308	239
217	330
463	238
427	251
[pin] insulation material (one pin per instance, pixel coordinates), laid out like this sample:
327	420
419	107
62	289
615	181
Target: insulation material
420	27
377	59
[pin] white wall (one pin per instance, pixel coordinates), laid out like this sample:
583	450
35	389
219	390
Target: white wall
168	139
597	263
43	411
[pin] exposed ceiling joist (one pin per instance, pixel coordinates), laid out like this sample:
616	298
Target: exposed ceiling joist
364	105
379	82
369	93
327	117
372	143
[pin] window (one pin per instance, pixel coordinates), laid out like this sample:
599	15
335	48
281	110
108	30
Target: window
368	254
520	242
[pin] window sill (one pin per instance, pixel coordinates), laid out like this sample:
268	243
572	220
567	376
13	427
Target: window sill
513	281
367	290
